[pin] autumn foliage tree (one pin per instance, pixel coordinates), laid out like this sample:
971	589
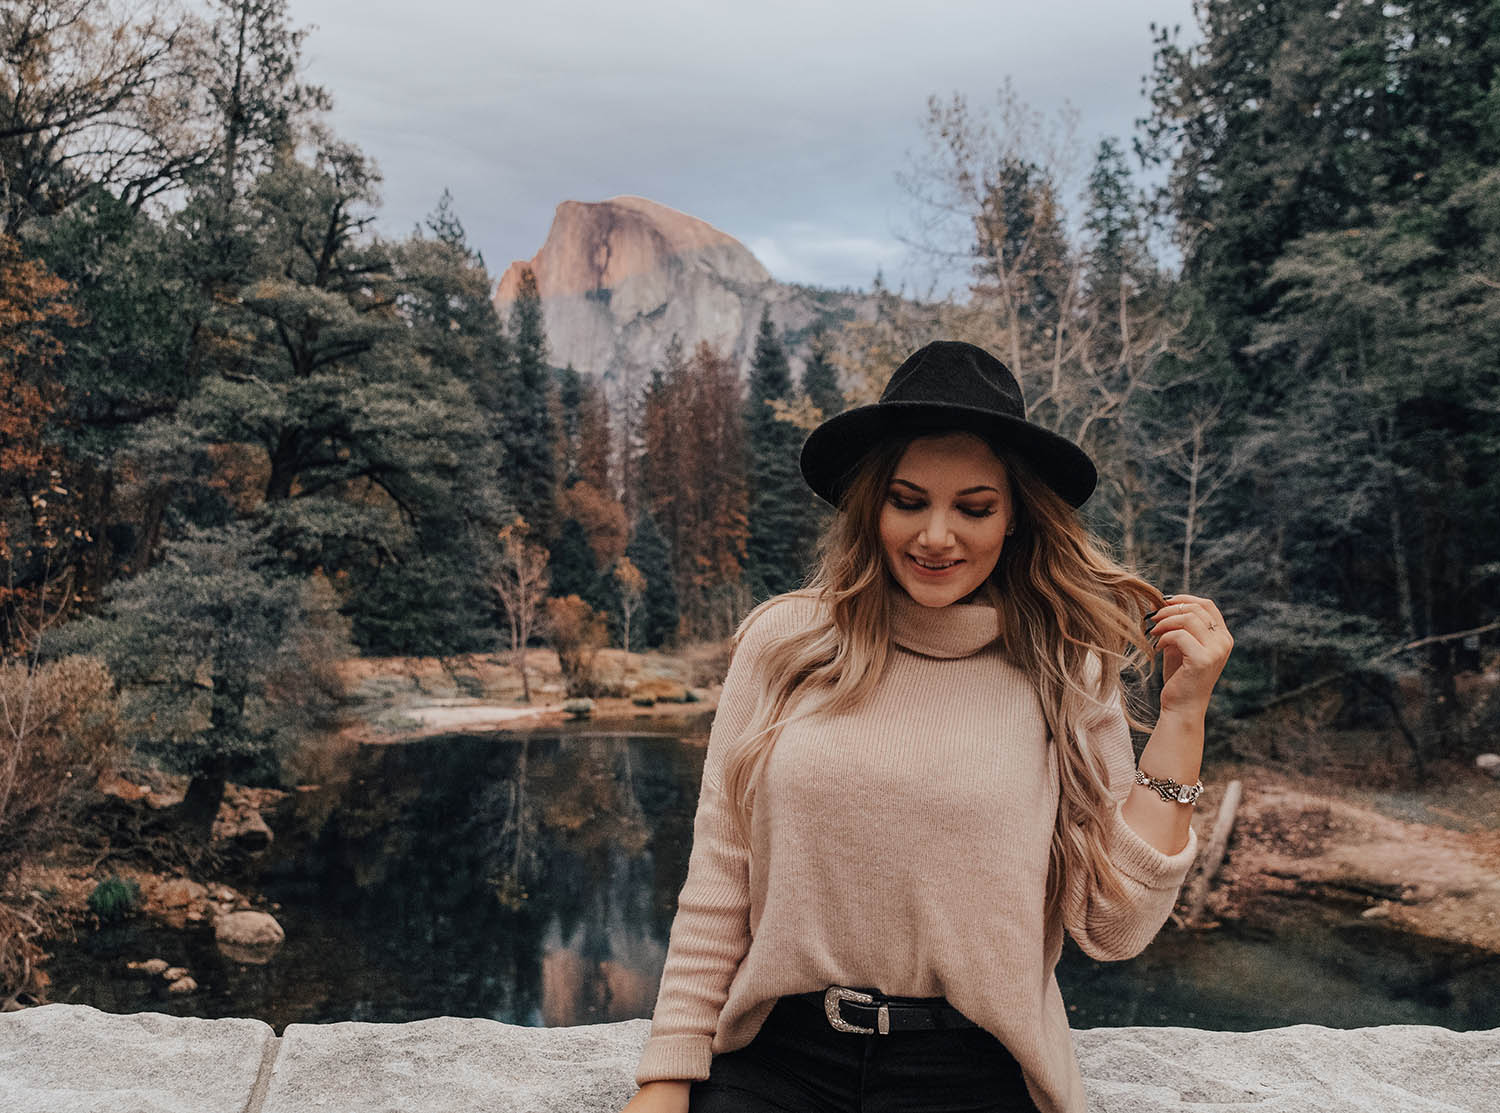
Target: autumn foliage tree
34	305
577	632
695	485
632	591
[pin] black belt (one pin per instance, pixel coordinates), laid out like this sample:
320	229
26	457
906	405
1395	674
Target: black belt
868	1013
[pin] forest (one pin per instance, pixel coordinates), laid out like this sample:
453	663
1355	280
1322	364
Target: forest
243	435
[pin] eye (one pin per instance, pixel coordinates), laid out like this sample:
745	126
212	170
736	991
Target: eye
902	504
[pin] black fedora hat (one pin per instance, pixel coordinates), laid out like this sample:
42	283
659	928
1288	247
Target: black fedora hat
946	386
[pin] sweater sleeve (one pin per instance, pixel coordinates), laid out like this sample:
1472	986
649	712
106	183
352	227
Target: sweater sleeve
1109	928
711	930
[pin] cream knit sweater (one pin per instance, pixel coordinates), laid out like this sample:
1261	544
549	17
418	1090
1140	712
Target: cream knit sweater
902	846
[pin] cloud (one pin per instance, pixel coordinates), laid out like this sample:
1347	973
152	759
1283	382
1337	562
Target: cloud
782	123
819	256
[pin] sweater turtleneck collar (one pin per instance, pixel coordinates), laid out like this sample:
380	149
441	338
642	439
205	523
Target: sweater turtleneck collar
957	630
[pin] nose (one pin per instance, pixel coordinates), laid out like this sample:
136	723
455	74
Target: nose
936	534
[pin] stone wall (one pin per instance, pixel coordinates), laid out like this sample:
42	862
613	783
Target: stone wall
76	1059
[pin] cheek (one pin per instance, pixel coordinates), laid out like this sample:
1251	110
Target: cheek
890	533
992	540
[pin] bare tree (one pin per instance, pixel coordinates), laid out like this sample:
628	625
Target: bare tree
96	92
519	577
1084	319
1204	469
632	591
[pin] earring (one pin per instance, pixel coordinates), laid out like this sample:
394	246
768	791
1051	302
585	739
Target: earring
1009	530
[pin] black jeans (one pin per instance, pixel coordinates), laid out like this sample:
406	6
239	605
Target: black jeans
797	1063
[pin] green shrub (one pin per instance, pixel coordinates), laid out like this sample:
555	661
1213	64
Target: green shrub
115	898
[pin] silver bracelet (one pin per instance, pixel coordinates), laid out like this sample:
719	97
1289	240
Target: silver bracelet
1169	790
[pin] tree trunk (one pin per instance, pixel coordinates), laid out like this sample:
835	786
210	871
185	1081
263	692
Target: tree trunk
1213	855
200	807
1190	527
1403	578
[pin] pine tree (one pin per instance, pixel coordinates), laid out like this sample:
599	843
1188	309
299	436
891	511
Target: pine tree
369	443
820	379
778	546
594	438
528	432
218	608
572	568
1327	175
648	551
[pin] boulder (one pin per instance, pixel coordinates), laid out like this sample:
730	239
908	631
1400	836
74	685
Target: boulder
179	892
76	1059
240	823
1489	763
248	929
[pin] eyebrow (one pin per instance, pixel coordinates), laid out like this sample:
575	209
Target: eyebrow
965	491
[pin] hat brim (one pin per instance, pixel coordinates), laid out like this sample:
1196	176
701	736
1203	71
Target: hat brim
832	452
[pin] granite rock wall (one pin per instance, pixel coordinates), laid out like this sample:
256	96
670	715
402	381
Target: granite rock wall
76	1059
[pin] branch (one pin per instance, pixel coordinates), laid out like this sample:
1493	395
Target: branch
1394	651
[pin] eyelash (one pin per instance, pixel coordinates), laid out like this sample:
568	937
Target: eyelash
900	505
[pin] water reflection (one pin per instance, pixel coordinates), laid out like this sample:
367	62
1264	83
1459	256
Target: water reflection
529	879
533	878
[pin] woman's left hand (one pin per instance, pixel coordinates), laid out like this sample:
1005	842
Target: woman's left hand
1194	643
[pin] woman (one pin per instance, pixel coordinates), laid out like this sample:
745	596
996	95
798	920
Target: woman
920	773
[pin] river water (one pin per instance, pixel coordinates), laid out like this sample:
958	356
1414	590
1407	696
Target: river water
532	878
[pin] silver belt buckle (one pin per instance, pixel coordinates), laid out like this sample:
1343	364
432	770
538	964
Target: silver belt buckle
837	993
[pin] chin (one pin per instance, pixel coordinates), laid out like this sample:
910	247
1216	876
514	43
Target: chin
939	595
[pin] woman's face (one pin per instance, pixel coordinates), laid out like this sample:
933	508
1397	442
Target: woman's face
944	518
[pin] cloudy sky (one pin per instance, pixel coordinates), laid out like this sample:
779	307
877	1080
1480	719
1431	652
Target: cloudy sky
782	122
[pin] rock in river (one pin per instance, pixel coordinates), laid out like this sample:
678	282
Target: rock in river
248	929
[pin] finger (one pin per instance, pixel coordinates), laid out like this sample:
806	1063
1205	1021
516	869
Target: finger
1185	643
1198	600
1200	623
1213	620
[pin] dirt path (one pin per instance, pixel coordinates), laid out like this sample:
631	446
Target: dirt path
1426	862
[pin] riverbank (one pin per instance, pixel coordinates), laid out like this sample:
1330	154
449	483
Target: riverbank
1421	862
1424	860
401	699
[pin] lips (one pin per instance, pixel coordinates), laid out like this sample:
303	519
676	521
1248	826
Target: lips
934	569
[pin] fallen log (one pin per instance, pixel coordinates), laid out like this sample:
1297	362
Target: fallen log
1213	855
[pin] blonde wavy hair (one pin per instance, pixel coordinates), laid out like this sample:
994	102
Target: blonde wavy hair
1062	599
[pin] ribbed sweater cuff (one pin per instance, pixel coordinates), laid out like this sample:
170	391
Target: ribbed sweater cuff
1138	859
674	1057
